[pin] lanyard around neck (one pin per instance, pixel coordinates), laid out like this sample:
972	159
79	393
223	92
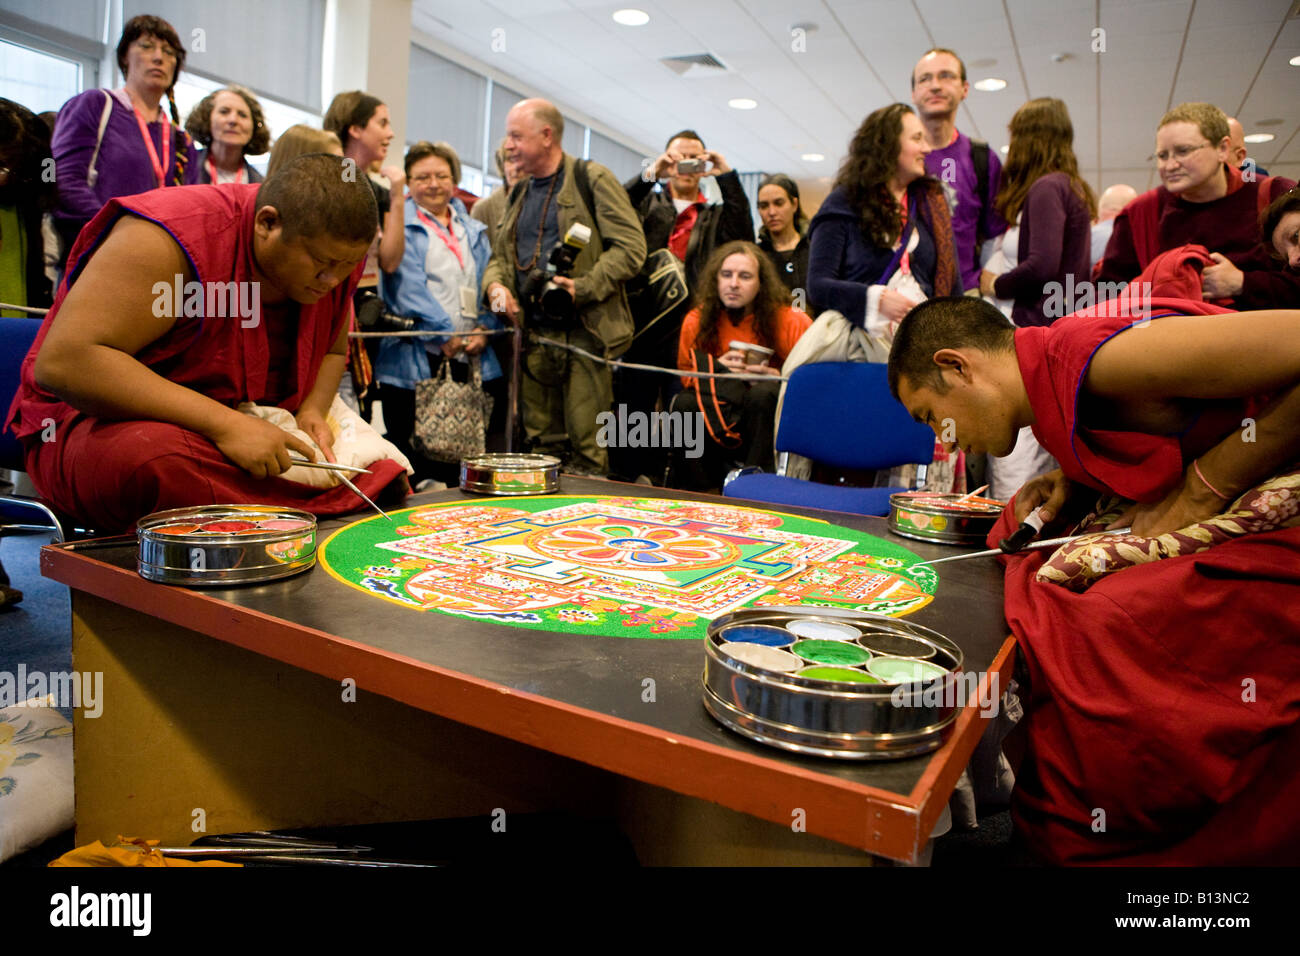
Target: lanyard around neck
212	171
446	235
159	166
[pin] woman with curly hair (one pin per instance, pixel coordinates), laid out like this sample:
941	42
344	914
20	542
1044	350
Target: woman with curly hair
882	241
110	143
230	125
741	299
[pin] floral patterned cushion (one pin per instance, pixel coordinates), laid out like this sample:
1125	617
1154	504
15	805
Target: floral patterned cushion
35	776
1079	564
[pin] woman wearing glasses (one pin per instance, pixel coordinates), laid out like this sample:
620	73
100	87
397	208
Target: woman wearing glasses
110	143
1204	200
438	283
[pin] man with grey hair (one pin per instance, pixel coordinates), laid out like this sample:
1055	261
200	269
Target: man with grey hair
1114	199
562	390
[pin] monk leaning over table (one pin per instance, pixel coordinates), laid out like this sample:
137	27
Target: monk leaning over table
1164	683
129	396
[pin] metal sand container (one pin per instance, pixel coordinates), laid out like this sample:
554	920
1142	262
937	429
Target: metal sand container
221	545
832	682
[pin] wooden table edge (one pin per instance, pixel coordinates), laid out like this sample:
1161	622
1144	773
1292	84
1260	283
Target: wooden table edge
878	821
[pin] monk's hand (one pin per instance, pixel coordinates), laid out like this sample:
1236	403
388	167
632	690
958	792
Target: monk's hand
1222	280
1188	503
260	448
1051	491
313	423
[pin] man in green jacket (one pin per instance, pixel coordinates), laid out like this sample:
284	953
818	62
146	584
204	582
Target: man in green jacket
562	391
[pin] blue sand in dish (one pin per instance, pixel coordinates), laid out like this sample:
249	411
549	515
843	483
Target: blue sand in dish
765	634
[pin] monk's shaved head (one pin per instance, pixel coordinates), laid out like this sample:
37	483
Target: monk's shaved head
953	322
322	195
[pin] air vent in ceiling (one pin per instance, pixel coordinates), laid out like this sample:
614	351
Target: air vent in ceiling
695	64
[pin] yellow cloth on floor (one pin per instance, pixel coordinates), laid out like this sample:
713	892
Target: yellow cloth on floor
129	852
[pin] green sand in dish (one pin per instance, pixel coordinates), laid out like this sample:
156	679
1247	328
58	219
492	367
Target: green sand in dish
837	653
894	670
837	673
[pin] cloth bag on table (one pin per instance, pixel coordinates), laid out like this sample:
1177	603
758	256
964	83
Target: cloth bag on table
451	418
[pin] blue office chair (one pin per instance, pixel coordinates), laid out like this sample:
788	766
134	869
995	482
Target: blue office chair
839	414
16	338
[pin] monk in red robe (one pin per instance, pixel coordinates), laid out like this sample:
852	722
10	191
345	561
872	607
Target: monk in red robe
179	305
1162	722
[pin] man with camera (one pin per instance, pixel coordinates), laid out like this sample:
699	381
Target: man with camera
677	219
569	239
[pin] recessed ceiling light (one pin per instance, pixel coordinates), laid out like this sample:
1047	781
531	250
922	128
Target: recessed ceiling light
631	17
990	85
1294	61
812	157
1259	138
1005	149
742	103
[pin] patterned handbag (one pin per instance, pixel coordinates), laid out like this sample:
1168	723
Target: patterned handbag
451	418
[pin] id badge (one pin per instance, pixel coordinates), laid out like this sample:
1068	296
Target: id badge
469	302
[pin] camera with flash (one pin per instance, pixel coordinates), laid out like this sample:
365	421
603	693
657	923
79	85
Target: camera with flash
547	302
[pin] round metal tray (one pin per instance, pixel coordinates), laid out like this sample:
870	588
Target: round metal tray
925	516
171	555
831	718
510	475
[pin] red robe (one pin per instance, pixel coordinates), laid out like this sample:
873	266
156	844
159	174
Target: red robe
111	473
1167	696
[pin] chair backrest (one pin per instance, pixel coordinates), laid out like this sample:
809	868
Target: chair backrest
842	414
16	337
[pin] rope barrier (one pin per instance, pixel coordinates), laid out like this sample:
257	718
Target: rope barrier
24	308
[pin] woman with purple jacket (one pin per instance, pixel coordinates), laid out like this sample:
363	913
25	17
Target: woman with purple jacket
1045	253
1050	208
110	143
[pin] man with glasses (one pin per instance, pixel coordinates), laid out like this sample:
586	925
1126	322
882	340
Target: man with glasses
1204	201
967	167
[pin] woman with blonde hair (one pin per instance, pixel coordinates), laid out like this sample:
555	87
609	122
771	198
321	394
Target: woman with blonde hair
298	141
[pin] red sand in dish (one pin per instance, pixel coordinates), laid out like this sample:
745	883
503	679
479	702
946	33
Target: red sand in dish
227	527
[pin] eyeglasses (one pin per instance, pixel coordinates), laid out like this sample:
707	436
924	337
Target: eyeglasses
426	179
1179	153
148	46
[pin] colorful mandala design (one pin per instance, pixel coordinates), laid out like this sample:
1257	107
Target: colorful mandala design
634	546
633	567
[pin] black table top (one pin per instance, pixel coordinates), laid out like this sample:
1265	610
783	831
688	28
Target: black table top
607	674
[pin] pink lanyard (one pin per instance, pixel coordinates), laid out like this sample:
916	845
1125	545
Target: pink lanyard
212	172
448	238
159	168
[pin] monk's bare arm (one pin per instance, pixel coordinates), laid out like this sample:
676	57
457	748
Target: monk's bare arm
1231	356
315	407
88	356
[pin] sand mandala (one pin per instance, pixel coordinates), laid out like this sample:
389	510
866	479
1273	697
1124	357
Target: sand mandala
626	567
